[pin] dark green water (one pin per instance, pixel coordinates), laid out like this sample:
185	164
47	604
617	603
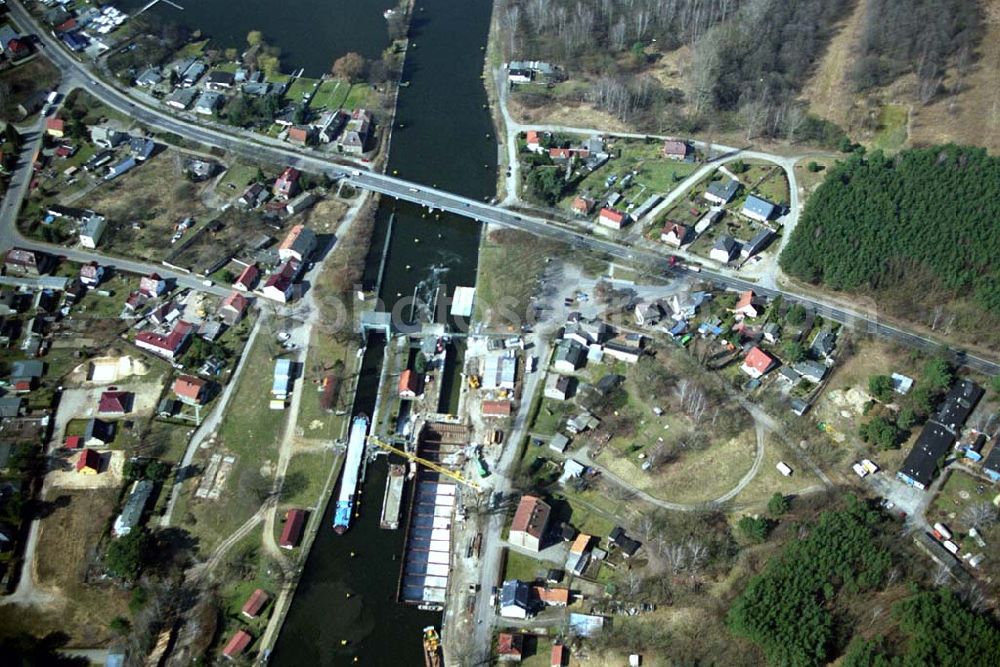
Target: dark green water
443	141
310	33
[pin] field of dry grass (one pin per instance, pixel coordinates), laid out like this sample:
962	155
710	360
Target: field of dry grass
67	542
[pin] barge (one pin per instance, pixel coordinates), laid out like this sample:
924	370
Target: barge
352	467
393	497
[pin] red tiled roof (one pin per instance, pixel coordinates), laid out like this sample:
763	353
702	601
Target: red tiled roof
282	278
612	214
510	643
580	544
169	343
66	25
255	603
188	386
239	643
746	299
582	204
758	360
57	124
408	382
236	301
532	137
292	532
558	655
531	516
551	596
496	408
248	277
89	459
674	148
73	442
113	402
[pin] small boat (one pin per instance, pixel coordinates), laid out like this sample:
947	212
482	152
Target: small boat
432	647
404	84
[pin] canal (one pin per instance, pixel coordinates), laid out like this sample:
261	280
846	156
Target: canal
444	137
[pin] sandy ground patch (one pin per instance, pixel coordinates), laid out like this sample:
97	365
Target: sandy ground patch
108	370
110	477
81	403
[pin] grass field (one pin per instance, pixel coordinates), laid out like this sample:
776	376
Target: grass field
550	414
307	473
503	254
525	568
65	546
769	481
23	81
958	492
236	179
330	91
355	96
891	134
324	353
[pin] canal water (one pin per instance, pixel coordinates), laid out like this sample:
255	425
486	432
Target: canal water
310	33
444	137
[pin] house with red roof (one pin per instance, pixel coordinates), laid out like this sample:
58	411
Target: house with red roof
409	384
73	442
237	644
757	362
530	522
495	409
287	184
169	345
582	205
675	150
749	305
191	389
55	127
676	234
559	654
89	462
562	154
17	48
298	244
510	646
300	135
533	141
247	279
257	600
67	25
291	534
279	284
233	308
114	403
611	218
152	285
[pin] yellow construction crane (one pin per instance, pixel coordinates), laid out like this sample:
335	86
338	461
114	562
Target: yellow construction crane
378	442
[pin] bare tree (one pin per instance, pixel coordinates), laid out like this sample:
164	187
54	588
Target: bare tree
979	515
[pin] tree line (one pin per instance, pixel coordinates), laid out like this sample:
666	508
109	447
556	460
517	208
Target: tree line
930	209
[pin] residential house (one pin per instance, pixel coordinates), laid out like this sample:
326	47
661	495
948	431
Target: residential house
233	308
254	195
356	133
593	332
724	250
771	332
579	554
510	646
533	142
495	409
247	279
114	403
758	208
208	103
515	599
279	286
621	541
169	345
152	286
194	71
517	76
958	404
300	203
582	422
676	235
141	148
810	370
558	657
749	305
722	192
758	243
569	356
287	184
55	127
823	343
531	520
291	533
88	462
330	124
550	597
10	406
92	231
612	219
675	150
26	369
560	387
149	78
19	261
300	135
559	442
91	275
181	98
409	384
220	80
13	301
625	347
237	644
901	384
255	604
106	136
583	205
571	469
98	433
190	389
134	507
645	207
757	362
648	313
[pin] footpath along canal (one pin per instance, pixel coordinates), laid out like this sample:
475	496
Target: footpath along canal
444	137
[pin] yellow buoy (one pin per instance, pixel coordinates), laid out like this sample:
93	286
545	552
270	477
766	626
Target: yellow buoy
348	596
352	554
408	267
394	172
343	642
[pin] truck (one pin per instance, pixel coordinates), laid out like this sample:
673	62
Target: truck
531	364
941	532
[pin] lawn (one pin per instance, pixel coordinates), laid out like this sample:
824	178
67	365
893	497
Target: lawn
300	87
355	96
550	415
192	49
236	179
502	254
959	491
23	81
769	481
330	91
774	187
324	353
525	568
891	133
306	475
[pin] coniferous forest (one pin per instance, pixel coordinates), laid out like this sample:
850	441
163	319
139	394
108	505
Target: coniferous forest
923	223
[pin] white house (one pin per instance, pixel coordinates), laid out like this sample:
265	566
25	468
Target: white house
92	231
